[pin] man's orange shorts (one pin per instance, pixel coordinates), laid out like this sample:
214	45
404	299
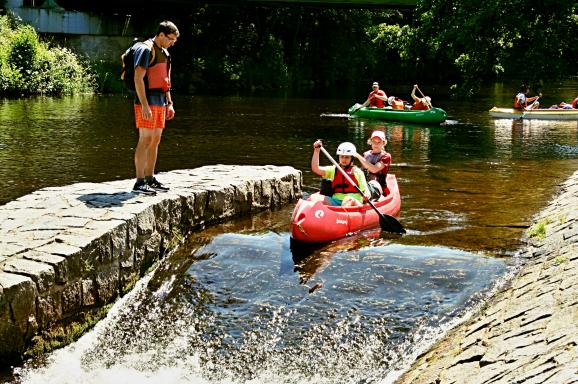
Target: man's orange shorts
158	120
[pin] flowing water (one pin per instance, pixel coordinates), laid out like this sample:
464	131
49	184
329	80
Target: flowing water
239	302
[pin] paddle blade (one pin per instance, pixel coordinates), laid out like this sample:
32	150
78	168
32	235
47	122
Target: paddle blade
390	224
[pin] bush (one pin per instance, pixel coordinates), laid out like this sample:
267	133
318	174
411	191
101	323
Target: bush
29	66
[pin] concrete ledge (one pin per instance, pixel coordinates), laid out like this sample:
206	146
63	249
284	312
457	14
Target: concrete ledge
528	333
71	249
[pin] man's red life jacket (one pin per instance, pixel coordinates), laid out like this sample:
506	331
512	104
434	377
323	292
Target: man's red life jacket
159	73
575	103
376	102
340	183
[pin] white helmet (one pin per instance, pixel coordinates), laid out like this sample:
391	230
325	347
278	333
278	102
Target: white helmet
390	100
346	149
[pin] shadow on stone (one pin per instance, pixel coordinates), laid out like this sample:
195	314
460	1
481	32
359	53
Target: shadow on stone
106	200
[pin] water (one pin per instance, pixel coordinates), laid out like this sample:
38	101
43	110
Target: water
238	302
246	306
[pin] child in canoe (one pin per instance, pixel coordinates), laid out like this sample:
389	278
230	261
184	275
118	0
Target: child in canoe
343	193
376	160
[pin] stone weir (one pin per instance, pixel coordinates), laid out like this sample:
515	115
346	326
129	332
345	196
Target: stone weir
66	252
528	333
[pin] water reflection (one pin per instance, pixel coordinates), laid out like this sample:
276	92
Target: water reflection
532	139
236	307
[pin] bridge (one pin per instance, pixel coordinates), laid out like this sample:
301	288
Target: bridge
121	5
104	27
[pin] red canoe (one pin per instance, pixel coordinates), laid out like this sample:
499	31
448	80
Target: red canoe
314	222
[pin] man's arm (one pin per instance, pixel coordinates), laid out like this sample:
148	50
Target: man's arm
139	74
382	96
373	168
170	107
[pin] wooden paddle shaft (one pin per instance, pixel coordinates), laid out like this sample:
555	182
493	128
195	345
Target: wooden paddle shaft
422	95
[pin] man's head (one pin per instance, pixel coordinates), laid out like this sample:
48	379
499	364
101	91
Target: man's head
375	86
167	34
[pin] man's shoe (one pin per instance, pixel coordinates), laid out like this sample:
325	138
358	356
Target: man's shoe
157	185
143	189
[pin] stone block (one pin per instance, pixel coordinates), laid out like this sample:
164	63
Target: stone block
49	310
57	262
146	222
89	293
99	251
17	311
42	274
9	249
71	298
107	283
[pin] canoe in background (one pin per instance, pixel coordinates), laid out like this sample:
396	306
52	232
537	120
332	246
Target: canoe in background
431	116
538	114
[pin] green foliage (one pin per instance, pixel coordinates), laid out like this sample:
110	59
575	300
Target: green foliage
470	41
29	66
248	47
462	43
538	230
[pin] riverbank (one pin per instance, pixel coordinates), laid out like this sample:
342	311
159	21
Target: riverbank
528	332
67	252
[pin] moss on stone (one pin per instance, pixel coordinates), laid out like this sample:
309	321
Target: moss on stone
62	335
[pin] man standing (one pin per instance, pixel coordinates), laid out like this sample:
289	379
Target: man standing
153	104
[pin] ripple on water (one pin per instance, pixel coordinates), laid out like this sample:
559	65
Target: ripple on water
242	311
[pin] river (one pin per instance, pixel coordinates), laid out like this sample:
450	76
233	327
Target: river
237	302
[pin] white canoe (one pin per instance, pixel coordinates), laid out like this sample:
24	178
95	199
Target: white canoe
541	114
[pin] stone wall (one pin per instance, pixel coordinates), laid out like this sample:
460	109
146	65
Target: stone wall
68	250
528	333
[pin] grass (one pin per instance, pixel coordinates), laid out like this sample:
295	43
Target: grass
538	230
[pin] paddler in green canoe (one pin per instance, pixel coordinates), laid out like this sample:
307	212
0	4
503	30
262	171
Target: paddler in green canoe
343	193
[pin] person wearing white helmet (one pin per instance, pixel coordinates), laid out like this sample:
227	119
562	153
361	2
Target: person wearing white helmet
343	193
377	162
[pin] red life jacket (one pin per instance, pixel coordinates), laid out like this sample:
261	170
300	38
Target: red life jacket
341	185
517	101
375	102
420	105
575	103
159	73
397	104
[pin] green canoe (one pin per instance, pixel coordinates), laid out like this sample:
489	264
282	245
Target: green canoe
431	116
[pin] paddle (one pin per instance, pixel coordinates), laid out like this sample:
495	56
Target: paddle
429	106
359	106
386	222
529	107
356	108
